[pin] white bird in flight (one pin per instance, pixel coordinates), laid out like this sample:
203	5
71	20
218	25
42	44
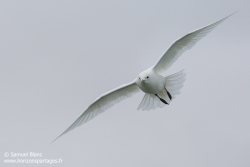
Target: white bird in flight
159	90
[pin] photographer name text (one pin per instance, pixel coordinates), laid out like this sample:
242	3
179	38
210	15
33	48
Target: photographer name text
25	154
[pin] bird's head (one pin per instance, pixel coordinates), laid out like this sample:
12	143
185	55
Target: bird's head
143	77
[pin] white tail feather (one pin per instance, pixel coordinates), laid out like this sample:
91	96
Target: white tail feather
175	82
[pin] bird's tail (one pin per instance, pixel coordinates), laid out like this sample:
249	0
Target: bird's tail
175	82
173	85
151	102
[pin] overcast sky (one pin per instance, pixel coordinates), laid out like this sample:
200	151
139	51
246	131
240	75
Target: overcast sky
57	57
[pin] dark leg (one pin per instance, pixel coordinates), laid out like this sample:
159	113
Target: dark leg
169	95
161	99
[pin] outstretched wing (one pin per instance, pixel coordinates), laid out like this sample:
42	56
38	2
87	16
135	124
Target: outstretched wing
183	44
102	103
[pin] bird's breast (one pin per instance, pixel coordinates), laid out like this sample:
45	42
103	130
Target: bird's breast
152	87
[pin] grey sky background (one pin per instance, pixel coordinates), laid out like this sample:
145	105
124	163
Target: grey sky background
57	57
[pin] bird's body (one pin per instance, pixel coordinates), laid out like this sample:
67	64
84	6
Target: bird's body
159	90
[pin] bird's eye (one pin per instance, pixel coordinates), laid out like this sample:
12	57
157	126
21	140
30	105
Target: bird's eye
147	76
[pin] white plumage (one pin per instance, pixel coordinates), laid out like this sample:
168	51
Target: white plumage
159	90
173	84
